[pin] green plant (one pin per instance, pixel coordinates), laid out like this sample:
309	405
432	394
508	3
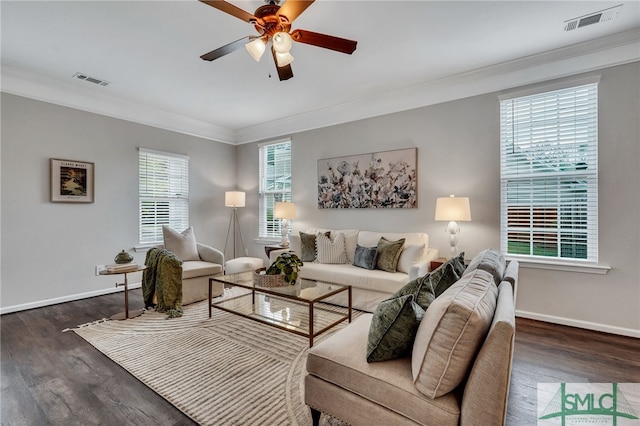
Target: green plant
287	264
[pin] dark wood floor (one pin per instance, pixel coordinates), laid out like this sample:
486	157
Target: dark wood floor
50	377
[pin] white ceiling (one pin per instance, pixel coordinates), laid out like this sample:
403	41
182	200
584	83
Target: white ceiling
409	54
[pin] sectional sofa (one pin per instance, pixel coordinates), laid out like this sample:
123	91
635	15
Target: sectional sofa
457	372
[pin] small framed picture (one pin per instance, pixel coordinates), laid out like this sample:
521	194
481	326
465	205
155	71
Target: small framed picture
71	181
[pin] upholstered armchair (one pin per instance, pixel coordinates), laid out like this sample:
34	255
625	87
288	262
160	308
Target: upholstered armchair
199	263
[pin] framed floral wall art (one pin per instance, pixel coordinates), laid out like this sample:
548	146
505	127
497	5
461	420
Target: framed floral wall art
386	179
71	181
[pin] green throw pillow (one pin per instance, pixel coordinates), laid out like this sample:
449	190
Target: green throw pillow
422	290
308	246
442	278
457	263
426	288
393	329
389	254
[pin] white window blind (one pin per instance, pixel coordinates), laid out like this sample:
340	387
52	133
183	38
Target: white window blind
275	185
549	174
163	192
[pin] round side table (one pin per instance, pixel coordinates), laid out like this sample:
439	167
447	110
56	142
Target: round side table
126	314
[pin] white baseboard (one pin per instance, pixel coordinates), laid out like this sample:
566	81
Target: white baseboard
70	298
578	323
522	314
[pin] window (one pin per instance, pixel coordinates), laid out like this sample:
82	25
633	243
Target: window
275	185
164	193
549	174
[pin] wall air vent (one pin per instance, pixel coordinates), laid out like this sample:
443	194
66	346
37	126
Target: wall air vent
593	18
84	77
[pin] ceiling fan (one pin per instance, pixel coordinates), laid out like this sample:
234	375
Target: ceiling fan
273	23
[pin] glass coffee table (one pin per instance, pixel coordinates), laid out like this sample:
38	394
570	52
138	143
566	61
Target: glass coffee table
297	309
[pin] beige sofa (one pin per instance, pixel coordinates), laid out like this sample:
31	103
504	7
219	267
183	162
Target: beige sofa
458	372
369	287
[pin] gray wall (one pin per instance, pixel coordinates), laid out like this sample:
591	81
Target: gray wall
49	250
458	153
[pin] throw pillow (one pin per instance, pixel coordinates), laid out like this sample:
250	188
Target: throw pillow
388	254
458	263
451	333
350	241
182	244
393	329
411	254
422	290
331	251
443	278
489	260
365	257
308	246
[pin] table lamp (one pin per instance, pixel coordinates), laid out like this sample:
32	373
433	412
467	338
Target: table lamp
285	211
453	209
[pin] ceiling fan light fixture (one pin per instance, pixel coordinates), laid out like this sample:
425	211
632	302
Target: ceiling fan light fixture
282	42
283	59
256	48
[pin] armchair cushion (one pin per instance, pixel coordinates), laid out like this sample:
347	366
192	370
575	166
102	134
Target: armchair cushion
182	244
198	268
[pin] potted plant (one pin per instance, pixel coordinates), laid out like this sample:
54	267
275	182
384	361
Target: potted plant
287	264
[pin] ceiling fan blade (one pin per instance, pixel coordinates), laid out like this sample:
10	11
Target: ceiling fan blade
322	40
291	9
226	49
284	73
232	10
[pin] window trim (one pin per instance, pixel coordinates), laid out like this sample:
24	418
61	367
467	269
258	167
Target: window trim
586	267
541	262
267	239
145	245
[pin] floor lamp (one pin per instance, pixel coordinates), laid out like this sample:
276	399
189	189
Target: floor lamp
234	199
453	209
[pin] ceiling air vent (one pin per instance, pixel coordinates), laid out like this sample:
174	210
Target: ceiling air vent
593	18
84	77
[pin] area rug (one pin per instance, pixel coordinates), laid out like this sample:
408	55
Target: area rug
221	370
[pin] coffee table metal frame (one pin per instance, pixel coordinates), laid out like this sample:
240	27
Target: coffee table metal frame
245	280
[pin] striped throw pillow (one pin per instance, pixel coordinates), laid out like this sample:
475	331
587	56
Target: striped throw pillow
329	251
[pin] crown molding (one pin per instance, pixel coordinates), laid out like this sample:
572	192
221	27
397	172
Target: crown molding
17	81
605	52
589	56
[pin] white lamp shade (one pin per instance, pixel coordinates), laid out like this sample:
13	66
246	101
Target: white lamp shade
234	199
255	48
453	209
282	42
284	210
284	59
